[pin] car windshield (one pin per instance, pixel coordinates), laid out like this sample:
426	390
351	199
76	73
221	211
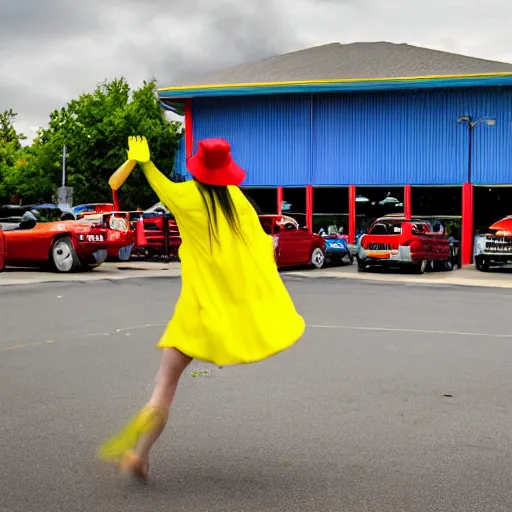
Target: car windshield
15	213
49	214
386	228
289	226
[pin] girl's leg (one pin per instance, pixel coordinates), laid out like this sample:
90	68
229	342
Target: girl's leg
172	366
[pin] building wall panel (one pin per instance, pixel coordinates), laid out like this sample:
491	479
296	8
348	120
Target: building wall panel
385	138
270	137
180	162
492	145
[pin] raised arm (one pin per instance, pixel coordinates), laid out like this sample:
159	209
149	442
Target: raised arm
138	152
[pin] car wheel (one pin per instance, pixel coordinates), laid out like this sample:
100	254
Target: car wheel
348	259
452	262
361	265
421	266
63	256
317	258
482	264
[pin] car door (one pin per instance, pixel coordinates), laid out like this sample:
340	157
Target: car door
422	244
18	245
298	244
286	244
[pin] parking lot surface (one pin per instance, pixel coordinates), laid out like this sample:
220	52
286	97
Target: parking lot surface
396	399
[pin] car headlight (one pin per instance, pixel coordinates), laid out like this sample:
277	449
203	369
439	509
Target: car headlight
118	224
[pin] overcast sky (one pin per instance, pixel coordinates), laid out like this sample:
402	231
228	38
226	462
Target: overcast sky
52	50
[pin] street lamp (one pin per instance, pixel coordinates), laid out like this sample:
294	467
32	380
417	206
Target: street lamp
467	190
489	121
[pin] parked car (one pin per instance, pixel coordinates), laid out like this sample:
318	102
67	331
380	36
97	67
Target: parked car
29	240
294	246
396	242
81	210
121	229
337	249
121	235
161	236
495	247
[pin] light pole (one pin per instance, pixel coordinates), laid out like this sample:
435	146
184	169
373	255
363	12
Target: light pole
64	155
467	191
489	121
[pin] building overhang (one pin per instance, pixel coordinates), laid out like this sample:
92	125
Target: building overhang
332	86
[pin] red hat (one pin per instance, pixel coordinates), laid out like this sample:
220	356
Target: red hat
214	165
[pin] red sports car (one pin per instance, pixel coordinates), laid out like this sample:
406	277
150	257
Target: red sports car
27	240
293	246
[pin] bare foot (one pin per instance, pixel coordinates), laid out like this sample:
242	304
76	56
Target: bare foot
133	466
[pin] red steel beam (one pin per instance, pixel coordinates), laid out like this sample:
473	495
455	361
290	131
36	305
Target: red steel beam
279	200
407	202
309	207
352	214
467	224
189	135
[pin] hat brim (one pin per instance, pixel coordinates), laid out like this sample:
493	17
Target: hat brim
223	177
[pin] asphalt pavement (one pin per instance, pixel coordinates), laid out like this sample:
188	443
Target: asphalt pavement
396	399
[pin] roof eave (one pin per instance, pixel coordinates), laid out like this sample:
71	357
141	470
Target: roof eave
348	85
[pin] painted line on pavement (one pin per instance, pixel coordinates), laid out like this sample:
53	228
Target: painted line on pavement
412	331
25	345
82	336
309	326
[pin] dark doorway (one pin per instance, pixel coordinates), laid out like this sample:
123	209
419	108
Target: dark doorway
375	202
294	204
490	205
330	207
265	199
439	203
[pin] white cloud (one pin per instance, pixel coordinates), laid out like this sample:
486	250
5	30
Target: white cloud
65	47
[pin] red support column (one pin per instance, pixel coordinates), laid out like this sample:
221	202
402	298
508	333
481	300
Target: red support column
407	202
351	214
309	207
189	135
467	224
279	200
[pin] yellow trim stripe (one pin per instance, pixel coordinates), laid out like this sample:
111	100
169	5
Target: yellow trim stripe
332	81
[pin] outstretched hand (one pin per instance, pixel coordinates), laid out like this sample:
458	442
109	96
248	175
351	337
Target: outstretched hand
138	149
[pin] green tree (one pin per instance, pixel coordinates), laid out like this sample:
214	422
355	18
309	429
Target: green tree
20	172
95	130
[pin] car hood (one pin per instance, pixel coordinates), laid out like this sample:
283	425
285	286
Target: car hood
503	226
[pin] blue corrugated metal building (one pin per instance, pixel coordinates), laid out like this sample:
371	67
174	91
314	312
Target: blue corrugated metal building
366	114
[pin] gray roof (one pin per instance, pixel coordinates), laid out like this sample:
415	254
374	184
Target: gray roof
356	60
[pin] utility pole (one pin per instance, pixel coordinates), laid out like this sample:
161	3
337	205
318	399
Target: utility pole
64	165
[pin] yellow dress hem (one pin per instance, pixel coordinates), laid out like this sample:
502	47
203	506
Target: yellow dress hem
188	351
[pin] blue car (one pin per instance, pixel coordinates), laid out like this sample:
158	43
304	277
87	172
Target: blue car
337	250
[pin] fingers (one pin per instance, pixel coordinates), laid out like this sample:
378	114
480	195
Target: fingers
137	140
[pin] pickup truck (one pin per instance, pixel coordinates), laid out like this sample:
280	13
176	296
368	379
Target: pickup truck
396	242
495	247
